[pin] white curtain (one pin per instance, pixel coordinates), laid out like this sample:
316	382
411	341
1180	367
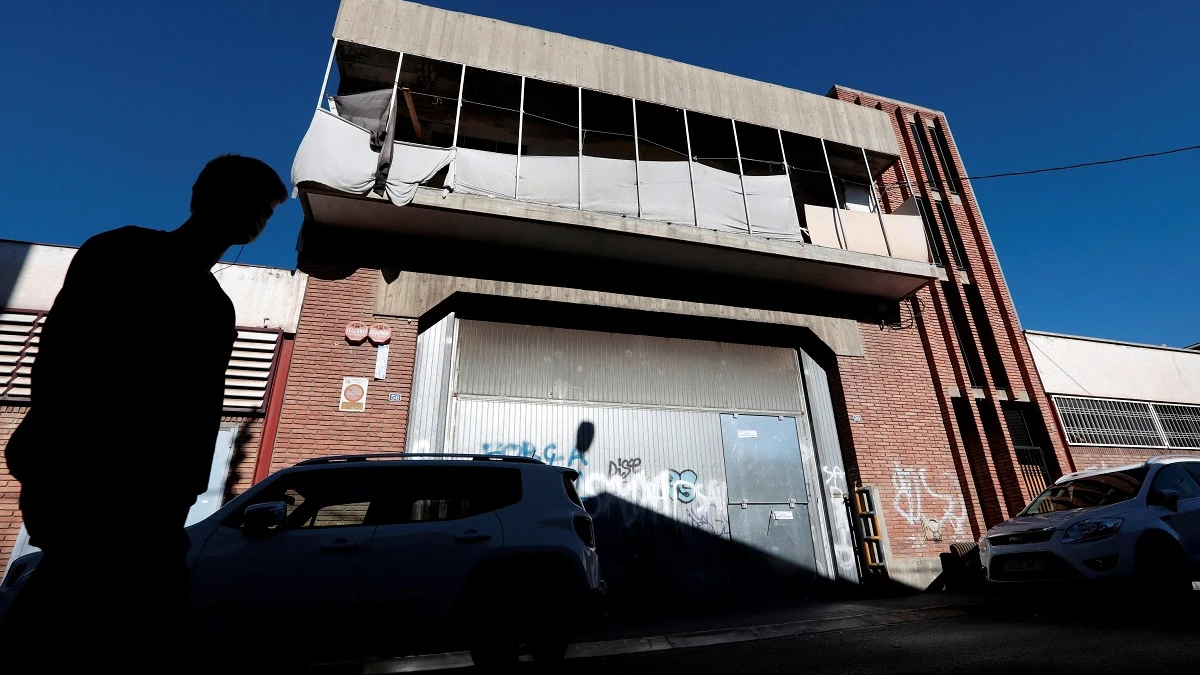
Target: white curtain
335	153
666	192
610	186
549	180
719	204
772	207
479	172
412	165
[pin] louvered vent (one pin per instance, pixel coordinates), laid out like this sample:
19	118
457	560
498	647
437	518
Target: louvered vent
19	332
249	371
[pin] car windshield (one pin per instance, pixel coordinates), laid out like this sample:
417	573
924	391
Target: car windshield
1099	489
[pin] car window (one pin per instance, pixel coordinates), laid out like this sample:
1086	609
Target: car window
1176	477
1099	489
1194	469
321	499
417	494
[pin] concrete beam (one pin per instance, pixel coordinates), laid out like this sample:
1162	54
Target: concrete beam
488	43
414	293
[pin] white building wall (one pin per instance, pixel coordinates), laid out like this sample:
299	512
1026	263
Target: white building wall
1079	366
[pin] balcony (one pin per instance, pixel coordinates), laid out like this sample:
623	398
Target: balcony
430	149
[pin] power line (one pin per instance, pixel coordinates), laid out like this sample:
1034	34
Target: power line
1065	167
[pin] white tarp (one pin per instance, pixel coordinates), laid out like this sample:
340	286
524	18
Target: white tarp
336	153
550	180
666	192
369	110
413	164
719	204
479	172
610	186
772	207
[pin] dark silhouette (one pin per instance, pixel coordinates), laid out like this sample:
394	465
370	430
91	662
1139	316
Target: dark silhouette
140	324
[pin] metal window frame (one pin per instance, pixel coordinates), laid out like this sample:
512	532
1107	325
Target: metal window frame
39	317
942	146
933	180
1163	437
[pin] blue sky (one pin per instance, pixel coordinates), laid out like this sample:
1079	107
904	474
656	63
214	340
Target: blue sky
113	108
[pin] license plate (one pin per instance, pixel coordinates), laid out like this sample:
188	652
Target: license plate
1025	566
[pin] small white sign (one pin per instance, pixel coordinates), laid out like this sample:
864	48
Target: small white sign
394	397
381	357
354	394
782	515
747	433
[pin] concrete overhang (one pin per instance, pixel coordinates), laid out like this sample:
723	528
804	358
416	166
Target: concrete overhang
472	219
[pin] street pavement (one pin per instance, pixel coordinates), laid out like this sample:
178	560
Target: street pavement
930	635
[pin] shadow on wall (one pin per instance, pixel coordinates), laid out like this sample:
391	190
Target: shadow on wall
13	256
239	469
655	564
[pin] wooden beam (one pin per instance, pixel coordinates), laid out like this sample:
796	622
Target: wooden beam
412	115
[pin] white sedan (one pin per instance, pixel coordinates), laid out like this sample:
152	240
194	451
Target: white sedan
1139	522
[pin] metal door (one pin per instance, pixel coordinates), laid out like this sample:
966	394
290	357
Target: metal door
768	503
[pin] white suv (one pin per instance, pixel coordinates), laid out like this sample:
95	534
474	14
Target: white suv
1139	522
400	554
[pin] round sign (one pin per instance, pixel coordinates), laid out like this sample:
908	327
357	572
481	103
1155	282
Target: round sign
356	331
380	333
354	393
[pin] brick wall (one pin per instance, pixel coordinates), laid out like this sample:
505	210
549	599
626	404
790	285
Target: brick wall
1089	457
311	424
983	453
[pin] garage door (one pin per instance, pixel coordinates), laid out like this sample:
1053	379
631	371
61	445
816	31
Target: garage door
680	432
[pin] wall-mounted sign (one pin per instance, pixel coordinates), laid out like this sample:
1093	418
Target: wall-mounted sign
354	394
357	331
380	333
394	397
747	433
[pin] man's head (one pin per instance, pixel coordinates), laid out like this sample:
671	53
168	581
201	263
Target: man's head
234	196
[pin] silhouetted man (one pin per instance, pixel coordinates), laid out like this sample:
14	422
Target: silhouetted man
126	405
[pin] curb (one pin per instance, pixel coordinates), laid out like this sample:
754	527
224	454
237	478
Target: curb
658	643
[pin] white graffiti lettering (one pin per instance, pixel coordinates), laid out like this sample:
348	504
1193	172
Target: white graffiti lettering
843	542
918	504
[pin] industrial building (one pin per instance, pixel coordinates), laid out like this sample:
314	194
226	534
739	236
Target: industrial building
1120	402
726	303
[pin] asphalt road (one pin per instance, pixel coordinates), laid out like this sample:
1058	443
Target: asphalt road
1066	639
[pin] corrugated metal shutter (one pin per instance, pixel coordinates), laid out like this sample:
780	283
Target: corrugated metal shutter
19	333
533	362
249	372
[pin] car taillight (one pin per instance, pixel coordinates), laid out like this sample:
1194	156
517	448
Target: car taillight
583	528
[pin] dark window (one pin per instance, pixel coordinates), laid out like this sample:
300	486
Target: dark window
1030	457
490	116
712	142
962	330
810	176
661	134
1194	469
762	154
327	498
417	494
948	165
551	126
956	244
1176	477
983	326
1096	490
431	98
607	125
851	176
926	154
931	232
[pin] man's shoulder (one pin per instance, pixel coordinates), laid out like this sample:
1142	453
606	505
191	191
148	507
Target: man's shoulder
124	240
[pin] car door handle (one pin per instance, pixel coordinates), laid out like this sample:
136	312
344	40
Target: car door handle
472	538
341	546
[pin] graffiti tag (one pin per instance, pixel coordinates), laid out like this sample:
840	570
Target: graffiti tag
624	467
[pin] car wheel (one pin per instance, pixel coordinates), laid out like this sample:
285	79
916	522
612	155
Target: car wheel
1160	570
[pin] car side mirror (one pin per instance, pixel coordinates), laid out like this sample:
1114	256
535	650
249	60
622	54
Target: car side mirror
260	519
1167	498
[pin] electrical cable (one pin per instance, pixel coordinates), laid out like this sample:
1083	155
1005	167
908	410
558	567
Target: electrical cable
235	259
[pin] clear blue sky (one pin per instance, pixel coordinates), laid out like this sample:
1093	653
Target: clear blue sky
112	108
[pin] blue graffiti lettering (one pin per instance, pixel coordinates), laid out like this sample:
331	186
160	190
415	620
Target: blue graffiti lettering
683	484
549	454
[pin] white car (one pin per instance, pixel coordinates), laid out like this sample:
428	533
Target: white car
1139	522
400	554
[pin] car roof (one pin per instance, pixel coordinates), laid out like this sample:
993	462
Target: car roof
425	459
1160	459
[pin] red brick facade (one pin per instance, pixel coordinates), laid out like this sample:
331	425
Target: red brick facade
311	424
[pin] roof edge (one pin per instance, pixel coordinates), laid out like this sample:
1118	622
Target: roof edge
839	87
1122	343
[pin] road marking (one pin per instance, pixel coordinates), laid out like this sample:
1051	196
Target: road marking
657	643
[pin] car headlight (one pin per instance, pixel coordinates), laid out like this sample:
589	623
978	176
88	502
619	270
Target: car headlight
1092	528
983	545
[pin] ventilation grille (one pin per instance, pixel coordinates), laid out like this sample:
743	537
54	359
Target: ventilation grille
1095	421
246	379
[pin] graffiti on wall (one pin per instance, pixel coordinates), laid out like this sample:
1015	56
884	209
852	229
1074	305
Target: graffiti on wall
837	489
661	492
710	519
937	515
549	453
624	467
